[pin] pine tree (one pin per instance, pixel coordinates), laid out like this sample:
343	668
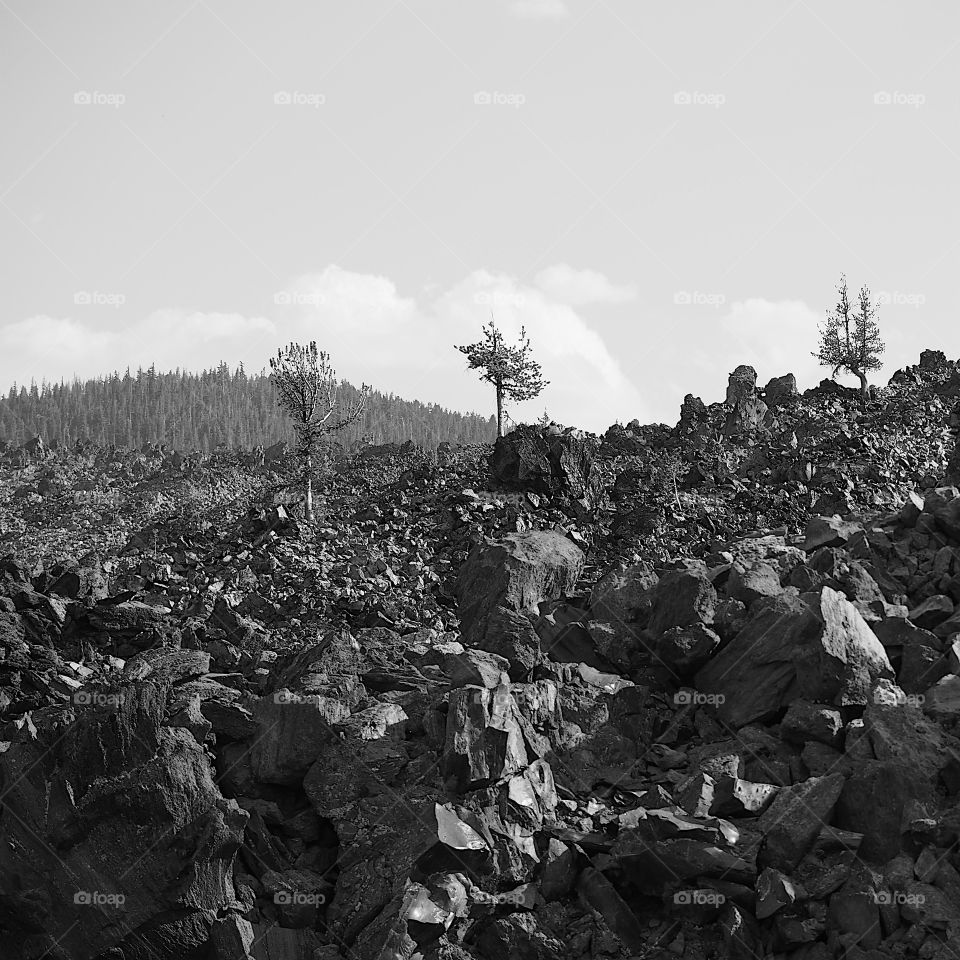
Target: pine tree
851	341
173	408
306	387
511	369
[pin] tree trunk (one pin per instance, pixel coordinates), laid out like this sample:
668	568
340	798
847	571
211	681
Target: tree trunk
499	412
863	388
308	508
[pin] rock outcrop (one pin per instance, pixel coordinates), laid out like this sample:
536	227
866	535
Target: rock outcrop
545	460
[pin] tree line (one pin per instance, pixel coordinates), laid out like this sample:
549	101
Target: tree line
210	409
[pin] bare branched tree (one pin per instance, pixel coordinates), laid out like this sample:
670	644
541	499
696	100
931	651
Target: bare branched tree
511	369
306	386
851	341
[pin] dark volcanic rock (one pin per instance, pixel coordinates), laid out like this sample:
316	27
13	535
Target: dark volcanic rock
681	599
116	833
518	573
780	389
818	648
545	460
795	818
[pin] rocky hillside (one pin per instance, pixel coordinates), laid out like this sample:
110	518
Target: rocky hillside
678	692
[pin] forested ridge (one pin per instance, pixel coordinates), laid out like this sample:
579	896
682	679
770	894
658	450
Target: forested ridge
203	410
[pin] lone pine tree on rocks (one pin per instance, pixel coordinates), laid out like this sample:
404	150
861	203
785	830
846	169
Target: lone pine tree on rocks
511	369
306	386
851	341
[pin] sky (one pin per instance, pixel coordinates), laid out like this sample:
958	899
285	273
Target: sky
657	193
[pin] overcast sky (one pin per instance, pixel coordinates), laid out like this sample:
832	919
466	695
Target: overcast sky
659	192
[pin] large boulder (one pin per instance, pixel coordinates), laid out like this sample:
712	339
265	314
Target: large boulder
746	416
484	741
872	803
518	573
931	360
747	412
291	729
780	389
545	460
741	384
952	474
681	599
620	439
795	818
943	505
114	833
622	592
817	647
693	413
511	635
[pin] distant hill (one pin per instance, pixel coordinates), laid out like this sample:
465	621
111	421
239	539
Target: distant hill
199	411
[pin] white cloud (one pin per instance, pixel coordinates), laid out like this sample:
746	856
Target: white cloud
407	345
53	348
539	9
578	287
774	337
587	388
373	333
